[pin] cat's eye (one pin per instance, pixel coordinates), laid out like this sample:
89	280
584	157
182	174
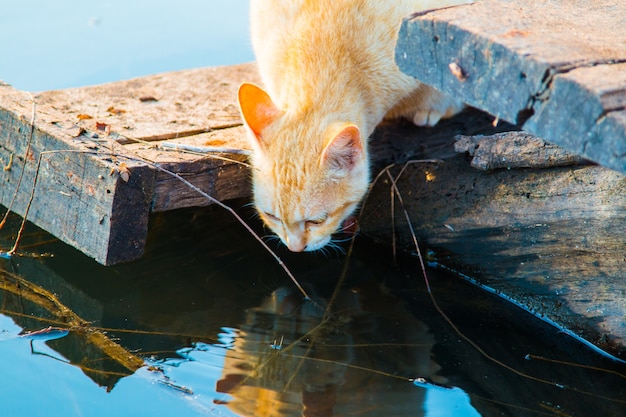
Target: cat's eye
314	222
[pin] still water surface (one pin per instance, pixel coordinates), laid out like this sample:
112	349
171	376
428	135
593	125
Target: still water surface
46	45
223	332
206	324
218	330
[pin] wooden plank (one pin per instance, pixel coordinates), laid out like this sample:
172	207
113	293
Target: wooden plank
158	107
195	107
546	238
557	69
223	179
96	186
79	195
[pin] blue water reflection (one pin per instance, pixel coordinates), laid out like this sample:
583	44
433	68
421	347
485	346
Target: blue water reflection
38	381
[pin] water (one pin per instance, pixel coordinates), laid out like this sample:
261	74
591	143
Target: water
223	332
206	323
71	43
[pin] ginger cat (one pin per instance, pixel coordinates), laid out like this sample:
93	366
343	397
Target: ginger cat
328	67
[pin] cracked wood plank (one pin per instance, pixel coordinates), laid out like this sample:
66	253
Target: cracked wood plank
557	69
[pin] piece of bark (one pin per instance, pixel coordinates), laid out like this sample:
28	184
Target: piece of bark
514	150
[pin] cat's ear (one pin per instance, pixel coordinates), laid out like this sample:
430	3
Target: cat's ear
344	150
257	108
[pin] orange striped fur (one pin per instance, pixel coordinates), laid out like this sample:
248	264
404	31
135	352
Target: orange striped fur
329	76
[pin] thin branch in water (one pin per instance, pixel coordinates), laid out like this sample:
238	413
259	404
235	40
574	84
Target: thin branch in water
575	365
451	323
243	223
168	172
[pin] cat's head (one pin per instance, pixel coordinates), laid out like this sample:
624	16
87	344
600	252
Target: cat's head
310	172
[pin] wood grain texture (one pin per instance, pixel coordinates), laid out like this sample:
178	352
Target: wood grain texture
157	107
555	68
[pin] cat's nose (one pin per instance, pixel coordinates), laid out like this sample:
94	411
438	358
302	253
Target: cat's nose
296	245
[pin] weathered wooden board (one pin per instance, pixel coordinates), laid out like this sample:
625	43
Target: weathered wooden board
157	107
193	107
555	68
96	184
223	179
78	195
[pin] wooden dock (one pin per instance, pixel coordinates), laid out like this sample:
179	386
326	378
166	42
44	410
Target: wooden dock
95	150
89	163
554	239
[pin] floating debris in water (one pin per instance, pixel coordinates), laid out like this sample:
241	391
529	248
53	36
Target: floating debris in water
278	346
172	385
427	383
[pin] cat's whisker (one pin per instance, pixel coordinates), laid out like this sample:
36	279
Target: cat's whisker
324	251
272	239
248	205
343	240
334	244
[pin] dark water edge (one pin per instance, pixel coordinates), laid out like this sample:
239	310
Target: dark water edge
224	328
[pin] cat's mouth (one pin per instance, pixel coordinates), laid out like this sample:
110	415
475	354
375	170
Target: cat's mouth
296	243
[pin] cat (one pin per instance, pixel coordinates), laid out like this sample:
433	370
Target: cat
330	78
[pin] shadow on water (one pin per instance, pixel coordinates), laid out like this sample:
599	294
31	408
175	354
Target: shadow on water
209	319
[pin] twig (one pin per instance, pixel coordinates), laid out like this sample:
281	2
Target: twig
451	323
178	177
202	149
19	181
243	223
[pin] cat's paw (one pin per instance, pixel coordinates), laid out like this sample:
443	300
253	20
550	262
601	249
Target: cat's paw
430	117
427	117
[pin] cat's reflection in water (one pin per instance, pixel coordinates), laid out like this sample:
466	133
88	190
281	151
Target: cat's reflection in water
295	359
